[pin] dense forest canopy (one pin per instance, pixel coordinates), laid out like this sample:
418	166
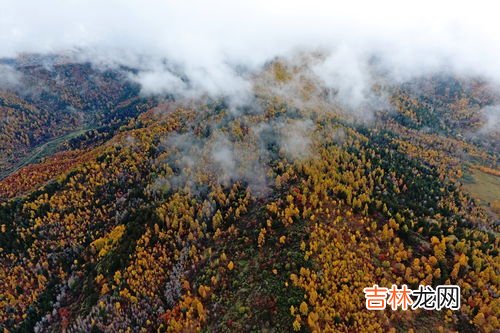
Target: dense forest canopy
250	166
201	215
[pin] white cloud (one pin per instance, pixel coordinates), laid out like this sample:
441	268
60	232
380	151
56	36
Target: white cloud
491	117
296	140
9	77
208	40
159	82
347	74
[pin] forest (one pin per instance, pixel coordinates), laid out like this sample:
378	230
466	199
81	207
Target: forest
166	216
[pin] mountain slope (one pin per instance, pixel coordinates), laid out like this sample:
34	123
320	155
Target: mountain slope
271	218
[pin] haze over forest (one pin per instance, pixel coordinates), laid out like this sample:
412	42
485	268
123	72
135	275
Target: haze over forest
247	166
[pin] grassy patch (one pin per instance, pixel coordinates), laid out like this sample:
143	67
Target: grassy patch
483	186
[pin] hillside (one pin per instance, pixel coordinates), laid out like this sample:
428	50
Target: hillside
53	98
160	214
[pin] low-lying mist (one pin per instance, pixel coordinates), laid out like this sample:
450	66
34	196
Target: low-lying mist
194	47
